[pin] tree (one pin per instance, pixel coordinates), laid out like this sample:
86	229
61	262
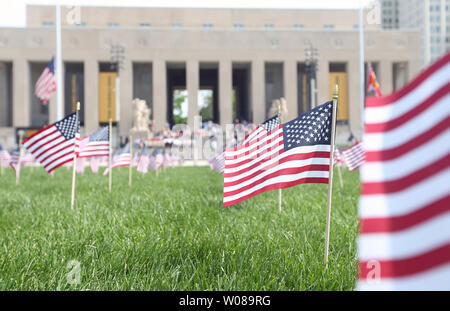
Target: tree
179	99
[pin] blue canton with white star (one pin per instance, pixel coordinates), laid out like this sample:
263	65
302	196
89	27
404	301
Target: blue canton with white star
271	123
100	135
309	129
67	126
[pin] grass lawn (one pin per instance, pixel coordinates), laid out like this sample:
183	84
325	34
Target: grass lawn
170	232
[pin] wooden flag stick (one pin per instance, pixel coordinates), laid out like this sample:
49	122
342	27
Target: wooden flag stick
74	160
340	176
131	162
279	190
330	178
110	156
20	158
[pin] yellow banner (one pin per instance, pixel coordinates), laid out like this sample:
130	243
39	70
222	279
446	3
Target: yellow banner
107	96
340	78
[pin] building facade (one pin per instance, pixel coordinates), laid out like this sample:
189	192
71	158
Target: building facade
430	17
246	57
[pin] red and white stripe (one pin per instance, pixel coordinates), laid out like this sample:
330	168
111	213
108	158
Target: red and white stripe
45	86
262	164
404	209
89	149
50	148
123	159
354	156
217	163
143	163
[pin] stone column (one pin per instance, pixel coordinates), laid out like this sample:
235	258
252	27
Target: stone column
290	88
225	92
258	91
91	71
126	98
21	93
386	77
192	85
159	94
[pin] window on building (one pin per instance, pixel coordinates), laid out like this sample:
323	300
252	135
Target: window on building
269	26
238	26
48	24
144	25
328	26
207	26
299	26
5	94
113	25
176	26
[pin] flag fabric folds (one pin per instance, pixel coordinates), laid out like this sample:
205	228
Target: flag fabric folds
143	161
354	156
95	145
373	85
5	157
46	84
55	144
279	157
404	207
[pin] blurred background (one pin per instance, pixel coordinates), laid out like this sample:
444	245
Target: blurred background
226	61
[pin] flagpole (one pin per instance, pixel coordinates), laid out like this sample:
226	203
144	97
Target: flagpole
279	190
131	161
59	65
74	159
340	176
330	178
361	63
110	156
20	158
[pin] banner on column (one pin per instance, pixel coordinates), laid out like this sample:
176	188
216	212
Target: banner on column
107	97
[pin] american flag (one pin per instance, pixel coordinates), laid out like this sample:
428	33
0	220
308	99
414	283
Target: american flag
81	164
217	162
122	159
156	161
354	156
46	84
55	144
95	145
94	163
404	208
5	157
167	159
280	156
15	161
143	161
337	157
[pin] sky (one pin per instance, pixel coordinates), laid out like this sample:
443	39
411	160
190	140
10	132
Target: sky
12	12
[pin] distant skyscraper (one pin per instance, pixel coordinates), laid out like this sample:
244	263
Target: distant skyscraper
430	17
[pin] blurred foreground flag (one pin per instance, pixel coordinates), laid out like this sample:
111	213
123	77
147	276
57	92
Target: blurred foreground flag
280	156
123	159
55	145
46	84
96	145
404	208
354	156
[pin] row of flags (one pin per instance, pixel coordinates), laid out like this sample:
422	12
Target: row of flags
404	161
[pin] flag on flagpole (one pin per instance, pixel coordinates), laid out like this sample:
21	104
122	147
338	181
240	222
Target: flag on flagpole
55	144
95	145
373	85
293	153
354	156
123	159
404	207
46	84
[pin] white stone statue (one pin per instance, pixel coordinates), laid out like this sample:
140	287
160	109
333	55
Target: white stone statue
283	109
141	116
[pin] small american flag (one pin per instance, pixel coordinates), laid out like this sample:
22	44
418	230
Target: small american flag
122	159
46	84
217	162
354	156
337	157
373	85
96	145
16	162
143	161
156	161
404	207
94	163
55	144
280	156
5	157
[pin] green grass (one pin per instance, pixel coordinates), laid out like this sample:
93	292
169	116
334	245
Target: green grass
170	232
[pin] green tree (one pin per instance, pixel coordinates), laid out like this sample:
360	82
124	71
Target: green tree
178	100
206	112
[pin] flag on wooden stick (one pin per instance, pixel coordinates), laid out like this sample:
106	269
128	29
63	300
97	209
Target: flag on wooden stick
143	161
122	159
293	153
55	145
354	156
95	145
404	207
